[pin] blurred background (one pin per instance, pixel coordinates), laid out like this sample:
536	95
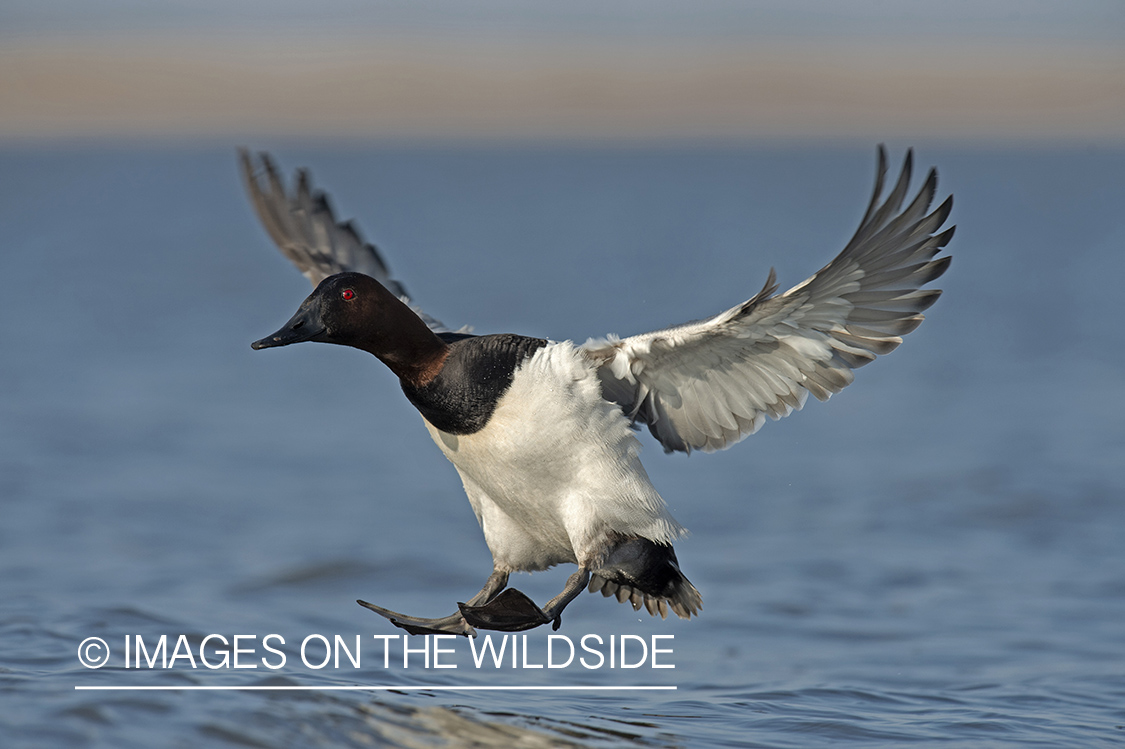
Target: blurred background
997	69
932	557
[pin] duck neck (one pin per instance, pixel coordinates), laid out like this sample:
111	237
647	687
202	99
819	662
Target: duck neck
420	365
409	349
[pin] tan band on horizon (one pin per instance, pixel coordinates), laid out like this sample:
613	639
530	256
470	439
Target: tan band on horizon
554	87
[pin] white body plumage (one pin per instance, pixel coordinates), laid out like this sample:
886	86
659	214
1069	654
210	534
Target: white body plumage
556	469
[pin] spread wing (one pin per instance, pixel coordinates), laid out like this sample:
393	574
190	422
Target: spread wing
706	385
304	228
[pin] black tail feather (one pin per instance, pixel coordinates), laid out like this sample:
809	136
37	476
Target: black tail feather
647	574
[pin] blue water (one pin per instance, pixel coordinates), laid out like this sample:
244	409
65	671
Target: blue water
935	556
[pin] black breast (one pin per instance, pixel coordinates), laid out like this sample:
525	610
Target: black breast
476	374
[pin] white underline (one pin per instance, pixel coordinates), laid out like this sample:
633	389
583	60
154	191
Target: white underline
363	688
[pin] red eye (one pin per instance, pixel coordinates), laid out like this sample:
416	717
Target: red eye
348	295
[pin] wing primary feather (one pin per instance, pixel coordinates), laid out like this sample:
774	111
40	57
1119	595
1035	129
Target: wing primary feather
305	229
880	178
898	193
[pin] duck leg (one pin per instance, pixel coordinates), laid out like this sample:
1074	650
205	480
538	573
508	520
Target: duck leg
453	624
512	611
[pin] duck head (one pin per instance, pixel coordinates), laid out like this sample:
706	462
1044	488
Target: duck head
352	309
345	308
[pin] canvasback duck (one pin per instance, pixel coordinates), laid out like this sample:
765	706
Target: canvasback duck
542	432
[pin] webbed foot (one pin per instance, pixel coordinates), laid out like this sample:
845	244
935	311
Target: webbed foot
507	611
454	624
510	611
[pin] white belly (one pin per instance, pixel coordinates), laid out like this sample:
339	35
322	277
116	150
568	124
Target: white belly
556	469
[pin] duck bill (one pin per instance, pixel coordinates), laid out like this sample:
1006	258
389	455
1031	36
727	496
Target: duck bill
303	327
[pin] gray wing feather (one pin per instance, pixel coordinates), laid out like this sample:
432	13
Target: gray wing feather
706	385
305	229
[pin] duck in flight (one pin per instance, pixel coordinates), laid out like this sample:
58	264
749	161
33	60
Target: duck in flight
542	432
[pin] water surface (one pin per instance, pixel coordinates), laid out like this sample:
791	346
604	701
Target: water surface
932	557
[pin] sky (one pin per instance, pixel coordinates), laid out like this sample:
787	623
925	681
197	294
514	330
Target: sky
1026	70
1090	20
